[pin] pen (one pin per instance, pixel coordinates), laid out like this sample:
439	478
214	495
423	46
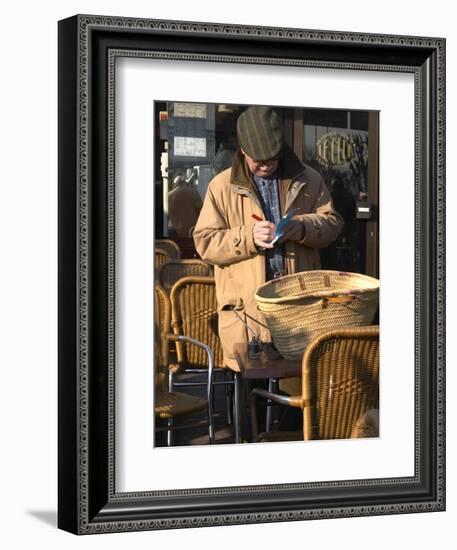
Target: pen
258	218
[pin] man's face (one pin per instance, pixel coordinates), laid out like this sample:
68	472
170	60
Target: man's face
262	168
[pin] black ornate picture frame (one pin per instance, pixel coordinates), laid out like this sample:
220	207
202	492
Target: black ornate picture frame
88	500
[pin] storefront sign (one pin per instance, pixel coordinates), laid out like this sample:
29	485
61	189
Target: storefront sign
189	147
190	110
335	149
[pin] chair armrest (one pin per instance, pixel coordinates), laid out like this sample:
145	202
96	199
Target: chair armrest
202	345
209	353
288	400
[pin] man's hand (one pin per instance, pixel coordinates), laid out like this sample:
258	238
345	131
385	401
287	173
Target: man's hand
294	231
263	233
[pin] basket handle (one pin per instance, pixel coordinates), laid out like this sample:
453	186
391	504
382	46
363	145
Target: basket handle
337	300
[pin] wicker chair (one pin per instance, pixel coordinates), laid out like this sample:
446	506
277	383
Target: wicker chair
340	383
170	405
171	271
160	257
170	247
194	315
162	319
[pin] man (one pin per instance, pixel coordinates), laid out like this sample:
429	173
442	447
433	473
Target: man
184	205
237	223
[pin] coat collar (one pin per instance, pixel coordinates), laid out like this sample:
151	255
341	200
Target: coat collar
290	167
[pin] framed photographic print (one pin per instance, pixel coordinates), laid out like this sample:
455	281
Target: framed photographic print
251	274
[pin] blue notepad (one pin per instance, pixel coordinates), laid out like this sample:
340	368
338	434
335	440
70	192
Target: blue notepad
282	225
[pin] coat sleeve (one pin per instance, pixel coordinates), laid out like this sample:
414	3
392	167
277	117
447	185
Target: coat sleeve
216	241
324	224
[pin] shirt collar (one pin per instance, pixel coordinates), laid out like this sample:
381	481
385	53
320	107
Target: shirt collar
270	179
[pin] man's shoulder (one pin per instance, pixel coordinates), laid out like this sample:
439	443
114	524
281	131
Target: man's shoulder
221	182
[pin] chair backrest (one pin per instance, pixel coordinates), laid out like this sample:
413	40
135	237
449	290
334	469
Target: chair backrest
170	247
160	257
171	271
340	381
162	322
194	314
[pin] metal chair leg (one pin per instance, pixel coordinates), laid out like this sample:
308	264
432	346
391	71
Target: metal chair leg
210	397
228	398
253	414
236	412
210	391
272	388
170	433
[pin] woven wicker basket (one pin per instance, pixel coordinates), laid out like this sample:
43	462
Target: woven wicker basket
298	306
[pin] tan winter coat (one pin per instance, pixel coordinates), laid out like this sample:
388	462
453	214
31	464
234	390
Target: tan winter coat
223	237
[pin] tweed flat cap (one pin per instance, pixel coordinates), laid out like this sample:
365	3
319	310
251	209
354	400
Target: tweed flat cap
260	133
